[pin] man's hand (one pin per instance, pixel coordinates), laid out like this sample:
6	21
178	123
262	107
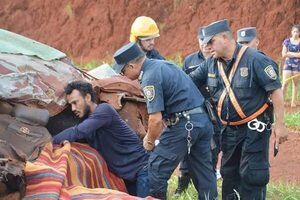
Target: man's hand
280	132
148	144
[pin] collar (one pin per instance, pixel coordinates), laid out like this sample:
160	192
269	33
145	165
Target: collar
144	68
200	55
229	63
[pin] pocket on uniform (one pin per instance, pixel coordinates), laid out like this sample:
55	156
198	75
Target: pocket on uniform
257	173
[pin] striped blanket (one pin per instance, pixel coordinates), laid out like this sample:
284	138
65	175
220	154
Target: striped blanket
72	171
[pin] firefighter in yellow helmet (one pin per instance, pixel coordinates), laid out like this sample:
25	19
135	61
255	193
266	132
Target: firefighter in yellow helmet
144	31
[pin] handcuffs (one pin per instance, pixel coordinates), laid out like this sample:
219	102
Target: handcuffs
259	126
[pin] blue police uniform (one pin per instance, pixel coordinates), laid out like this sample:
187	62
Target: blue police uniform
162	85
154	54
191	63
245	165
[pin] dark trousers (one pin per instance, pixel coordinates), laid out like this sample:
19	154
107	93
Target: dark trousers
215	150
245	163
171	150
139	187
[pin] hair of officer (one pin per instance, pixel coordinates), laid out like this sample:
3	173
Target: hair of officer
83	87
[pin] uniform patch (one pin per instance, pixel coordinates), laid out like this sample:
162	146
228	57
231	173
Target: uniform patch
269	70
243	33
244	71
210	75
149	92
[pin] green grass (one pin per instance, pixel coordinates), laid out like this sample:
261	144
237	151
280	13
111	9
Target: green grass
275	191
292	120
288	94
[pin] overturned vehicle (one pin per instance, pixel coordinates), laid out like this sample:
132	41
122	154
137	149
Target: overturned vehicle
33	109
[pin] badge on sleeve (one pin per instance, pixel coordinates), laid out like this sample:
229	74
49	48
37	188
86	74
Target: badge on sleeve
269	70
149	92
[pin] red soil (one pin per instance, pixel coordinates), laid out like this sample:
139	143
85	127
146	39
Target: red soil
93	30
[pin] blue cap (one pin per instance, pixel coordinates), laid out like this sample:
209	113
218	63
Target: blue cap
125	54
246	34
200	34
214	28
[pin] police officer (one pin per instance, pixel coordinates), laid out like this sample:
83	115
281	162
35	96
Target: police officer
189	129
241	80
248	37
192	62
144	31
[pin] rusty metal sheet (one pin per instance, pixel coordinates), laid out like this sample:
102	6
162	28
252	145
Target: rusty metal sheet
35	82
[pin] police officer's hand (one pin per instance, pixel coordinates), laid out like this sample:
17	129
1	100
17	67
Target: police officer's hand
280	132
148	145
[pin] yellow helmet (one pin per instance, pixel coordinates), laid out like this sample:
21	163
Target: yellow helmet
144	27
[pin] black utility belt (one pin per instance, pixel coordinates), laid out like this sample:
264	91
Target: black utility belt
175	117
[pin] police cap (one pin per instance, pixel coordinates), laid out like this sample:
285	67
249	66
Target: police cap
214	28
125	54
246	34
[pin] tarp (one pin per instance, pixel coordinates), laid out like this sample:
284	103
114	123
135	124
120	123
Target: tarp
18	44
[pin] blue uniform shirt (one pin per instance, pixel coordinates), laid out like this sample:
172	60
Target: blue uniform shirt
167	88
154	54
254	80
112	138
192	62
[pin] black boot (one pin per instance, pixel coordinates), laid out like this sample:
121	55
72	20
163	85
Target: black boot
160	195
183	183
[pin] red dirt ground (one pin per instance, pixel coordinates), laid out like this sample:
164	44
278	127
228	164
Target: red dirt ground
94	29
286	165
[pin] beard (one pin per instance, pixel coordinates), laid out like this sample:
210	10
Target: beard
86	113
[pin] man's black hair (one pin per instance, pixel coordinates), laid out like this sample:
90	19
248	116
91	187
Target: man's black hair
83	87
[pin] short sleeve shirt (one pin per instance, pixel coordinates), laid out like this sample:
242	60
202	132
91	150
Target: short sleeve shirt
167	88
292	62
254	80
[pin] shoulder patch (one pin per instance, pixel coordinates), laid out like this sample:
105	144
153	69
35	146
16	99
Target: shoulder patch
149	92
269	70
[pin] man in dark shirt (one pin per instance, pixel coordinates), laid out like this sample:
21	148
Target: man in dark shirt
144	31
193	60
105	131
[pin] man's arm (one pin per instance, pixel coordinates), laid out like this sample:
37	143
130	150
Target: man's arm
293	54
154	129
279	130
99	118
67	134
199	75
